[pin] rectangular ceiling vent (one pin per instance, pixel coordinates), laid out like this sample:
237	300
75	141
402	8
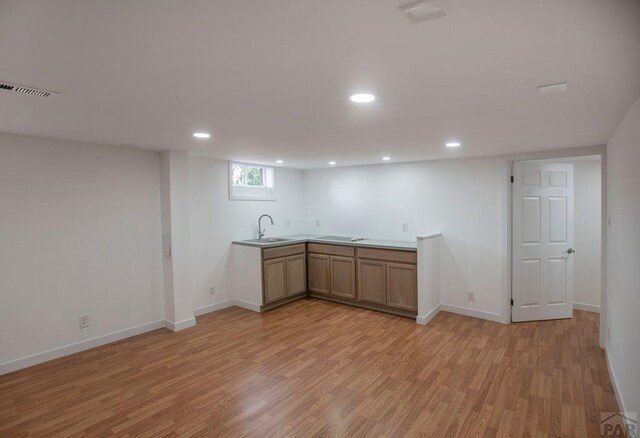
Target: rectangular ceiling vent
26	90
553	88
423	10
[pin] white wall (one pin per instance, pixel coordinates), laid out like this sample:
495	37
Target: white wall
176	225
465	199
588	230
216	221
81	231
623	258
428	250
79	234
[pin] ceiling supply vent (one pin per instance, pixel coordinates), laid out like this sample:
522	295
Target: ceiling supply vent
26	90
423	10
552	88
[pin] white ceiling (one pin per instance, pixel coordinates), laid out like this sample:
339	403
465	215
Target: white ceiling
272	78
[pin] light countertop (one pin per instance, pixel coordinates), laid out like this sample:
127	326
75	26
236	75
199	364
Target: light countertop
318	238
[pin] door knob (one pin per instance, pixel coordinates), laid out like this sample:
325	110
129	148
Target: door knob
571	251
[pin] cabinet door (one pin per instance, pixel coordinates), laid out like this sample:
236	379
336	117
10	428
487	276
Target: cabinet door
296	274
402	289
318	273
275	279
343	277
372	282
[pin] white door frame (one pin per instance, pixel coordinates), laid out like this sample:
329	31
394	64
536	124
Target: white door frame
564	153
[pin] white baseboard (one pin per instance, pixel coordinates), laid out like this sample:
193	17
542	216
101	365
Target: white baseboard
246	305
586	307
424	319
614	381
212	308
25	362
472	312
180	325
77	347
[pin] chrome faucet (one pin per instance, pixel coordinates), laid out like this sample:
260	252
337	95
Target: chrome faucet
260	230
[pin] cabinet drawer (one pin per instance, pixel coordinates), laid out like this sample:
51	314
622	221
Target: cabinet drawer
388	255
344	251
282	251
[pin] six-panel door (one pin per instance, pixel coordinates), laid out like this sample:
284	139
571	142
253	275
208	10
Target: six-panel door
542	265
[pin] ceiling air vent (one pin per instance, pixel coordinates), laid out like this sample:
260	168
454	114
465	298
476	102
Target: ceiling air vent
26	90
423	10
552	88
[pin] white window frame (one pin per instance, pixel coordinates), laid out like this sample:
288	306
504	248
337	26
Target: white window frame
253	193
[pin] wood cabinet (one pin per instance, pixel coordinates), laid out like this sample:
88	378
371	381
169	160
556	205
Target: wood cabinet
402	287
318	273
334	250
372	276
343	276
275	279
388	277
379	279
332	270
284	272
296	274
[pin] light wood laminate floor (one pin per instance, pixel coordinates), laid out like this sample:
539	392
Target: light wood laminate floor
313	368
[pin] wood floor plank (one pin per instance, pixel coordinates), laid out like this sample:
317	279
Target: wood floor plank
315	368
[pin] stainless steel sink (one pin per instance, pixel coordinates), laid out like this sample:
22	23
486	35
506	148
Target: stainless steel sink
268	240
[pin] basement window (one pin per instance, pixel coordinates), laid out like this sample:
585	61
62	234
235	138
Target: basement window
251	182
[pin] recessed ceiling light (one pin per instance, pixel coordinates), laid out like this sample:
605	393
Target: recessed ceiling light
279	161
332	163
453	144
363	98
201	135
386	158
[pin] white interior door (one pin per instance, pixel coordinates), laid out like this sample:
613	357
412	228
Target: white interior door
542	262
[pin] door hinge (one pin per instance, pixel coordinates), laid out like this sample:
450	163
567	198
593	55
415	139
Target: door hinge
512	179
512	301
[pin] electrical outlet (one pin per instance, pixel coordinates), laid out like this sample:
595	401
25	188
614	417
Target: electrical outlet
287	223
405	226
317	222
212	290
470	296
83	321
